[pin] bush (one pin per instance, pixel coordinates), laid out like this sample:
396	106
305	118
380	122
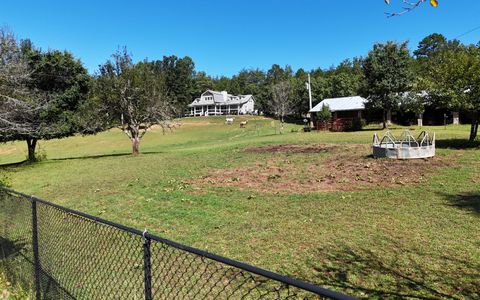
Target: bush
356	125
325	114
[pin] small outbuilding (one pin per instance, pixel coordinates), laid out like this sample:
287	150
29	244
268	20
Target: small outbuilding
344	111
344	107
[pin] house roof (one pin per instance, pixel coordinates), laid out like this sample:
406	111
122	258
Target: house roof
342	104
220	98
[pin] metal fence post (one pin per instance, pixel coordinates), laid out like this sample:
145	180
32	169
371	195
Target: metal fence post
36	259
147	266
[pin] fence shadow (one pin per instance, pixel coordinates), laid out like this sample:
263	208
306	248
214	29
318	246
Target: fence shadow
9	248
398	277
16	267
19	268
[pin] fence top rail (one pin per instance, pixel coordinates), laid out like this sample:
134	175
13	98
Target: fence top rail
252	269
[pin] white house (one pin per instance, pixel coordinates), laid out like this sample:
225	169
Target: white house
221	103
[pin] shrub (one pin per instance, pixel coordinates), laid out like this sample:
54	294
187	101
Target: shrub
325	114
356	125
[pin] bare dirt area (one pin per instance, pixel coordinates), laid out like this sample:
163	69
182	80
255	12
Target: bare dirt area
8	150
300	169
289	148
196	124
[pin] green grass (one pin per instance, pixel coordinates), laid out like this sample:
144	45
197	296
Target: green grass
9	291
415	240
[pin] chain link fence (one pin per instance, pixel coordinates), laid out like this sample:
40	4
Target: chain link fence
59	253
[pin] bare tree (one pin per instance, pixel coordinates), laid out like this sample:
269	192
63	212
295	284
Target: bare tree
409	6
132	97
282	103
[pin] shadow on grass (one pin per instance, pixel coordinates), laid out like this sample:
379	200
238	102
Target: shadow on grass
370	129
105	155
396	273
15	164
16	262
467	201
456	144
25	162
10	248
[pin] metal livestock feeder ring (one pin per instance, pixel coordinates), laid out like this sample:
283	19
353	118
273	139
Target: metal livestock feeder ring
405	147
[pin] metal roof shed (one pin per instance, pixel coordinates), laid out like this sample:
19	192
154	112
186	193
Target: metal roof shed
353	103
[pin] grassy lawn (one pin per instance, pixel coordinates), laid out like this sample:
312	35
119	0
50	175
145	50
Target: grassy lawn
11	292
365	234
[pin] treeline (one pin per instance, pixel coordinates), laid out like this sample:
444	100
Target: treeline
345	79
49	94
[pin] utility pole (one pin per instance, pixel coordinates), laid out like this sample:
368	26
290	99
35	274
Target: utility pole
309	88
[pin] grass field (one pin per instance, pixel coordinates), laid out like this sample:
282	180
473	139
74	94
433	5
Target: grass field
335	217
8	291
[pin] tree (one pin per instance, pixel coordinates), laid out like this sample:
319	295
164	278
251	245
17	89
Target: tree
452	80
346	79
300	96
203	82
325	114
222	83
388	76
430	45
179	77
282	102
409	6
40	93
131	97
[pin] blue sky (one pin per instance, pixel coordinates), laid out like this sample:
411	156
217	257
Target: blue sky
225	36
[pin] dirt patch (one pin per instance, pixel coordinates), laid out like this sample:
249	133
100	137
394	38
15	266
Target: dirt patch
8	150
348	168
196	123
178	125
293	148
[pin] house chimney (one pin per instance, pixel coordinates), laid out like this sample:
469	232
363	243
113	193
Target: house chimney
225	95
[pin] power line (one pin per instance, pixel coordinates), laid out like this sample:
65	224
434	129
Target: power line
470	31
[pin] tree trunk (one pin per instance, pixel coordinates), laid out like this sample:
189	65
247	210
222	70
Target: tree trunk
384	119
31	145
474	127
281	125
135	145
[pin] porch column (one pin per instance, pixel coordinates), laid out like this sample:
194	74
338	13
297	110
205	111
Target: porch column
215	108
238	109
228	109
202	110
194	111
456	118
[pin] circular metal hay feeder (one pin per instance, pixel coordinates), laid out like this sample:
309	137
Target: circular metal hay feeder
405	147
